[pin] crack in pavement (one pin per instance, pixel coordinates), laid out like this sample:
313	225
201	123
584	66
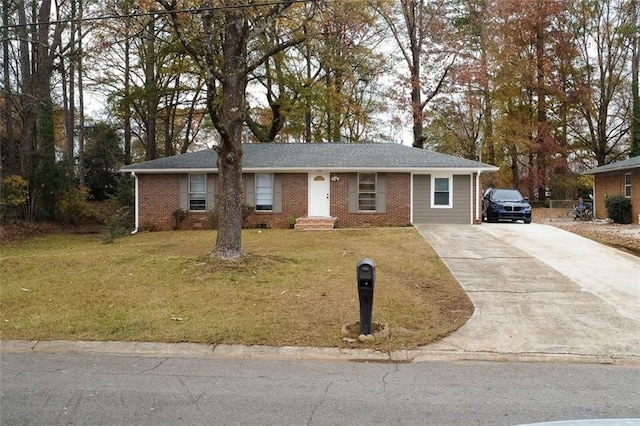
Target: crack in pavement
162	361
319	403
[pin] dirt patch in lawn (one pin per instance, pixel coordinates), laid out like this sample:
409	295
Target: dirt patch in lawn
296	288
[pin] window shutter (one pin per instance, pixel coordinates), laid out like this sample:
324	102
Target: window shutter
381	193
250	189
277	193
353	193
211	191
183	191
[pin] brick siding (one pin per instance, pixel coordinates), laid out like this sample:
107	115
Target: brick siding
159	199
612	183
398	202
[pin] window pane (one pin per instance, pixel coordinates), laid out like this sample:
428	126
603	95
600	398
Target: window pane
441	184
441	198
197	204
367	182
367	202
196	183
264	191
441	192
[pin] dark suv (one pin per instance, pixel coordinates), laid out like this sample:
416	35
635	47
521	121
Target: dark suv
506	204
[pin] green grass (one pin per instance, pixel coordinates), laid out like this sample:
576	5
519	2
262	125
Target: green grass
295	288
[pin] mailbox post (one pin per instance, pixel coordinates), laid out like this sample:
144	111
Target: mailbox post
366	276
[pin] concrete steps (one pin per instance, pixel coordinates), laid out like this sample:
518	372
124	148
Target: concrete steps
315	223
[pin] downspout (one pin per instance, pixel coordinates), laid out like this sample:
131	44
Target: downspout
411	198
135	204
478	207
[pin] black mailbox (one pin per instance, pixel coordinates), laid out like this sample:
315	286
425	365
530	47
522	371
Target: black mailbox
366	276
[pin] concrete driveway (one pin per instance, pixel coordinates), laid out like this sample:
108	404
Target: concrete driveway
539	290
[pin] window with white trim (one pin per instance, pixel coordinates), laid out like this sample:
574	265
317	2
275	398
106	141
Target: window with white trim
441	192
367	192
627	184
198	192
264	191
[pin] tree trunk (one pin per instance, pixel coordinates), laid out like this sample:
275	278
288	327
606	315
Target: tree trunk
81	125
7	149
127	99
414	23
28	108
229	118
151	92
489	147
635	91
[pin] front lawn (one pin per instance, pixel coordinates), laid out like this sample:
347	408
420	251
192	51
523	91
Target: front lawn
296	288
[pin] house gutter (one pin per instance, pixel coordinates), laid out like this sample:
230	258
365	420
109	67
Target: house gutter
135	204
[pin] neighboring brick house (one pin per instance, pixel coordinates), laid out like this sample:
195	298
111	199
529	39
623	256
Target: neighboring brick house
619	178
315	185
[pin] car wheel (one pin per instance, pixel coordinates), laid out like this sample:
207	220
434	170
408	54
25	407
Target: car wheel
491	216
527	221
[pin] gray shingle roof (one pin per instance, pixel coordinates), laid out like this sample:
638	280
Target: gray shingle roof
629	163
328	156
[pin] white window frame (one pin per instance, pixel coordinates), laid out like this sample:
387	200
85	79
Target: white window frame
433	191
264	192
196	195
374	192
627	185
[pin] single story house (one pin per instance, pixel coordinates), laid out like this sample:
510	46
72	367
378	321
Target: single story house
619	178
315	185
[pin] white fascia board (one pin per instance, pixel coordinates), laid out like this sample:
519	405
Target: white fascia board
163	171
414	170
616	169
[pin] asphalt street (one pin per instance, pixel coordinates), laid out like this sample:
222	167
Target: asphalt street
64	389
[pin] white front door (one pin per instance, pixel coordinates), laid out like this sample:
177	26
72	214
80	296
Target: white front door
319	189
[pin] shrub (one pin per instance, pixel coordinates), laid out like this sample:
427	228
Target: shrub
74	208
13	194
125	191
177	217
618	208
117	225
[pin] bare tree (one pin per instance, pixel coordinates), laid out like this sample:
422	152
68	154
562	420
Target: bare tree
429	48
602	98
217	39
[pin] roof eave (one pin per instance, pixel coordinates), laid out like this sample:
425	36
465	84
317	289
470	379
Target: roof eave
415	170
613	169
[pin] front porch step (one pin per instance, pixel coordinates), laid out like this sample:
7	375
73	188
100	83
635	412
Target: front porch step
315	223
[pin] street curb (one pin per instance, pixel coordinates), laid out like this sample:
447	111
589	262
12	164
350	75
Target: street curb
198	350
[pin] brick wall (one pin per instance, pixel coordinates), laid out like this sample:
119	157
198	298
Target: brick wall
294	203
159	198
398	202
610	184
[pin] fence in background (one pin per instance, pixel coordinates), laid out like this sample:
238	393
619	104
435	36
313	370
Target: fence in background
561	210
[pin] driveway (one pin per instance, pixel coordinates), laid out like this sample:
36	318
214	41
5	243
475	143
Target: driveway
539	290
